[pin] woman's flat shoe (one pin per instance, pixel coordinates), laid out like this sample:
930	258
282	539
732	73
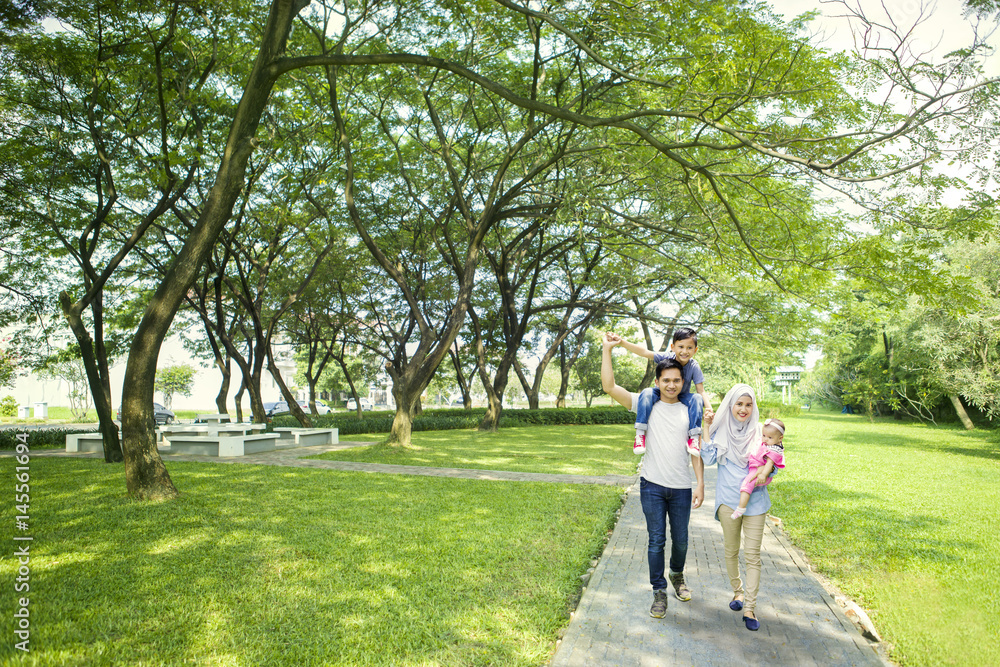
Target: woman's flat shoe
751	623
736	605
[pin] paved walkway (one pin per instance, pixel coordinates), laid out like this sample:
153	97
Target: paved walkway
801	623
290	456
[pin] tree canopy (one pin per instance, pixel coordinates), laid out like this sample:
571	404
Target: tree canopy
500	174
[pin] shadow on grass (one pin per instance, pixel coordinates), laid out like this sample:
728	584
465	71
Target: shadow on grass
947	443
596	449
261	565
856	530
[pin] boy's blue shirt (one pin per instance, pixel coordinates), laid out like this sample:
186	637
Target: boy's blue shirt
690	372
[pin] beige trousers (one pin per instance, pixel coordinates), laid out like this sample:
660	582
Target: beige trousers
752	528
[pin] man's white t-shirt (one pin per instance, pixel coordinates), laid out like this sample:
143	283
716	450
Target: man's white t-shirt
666	461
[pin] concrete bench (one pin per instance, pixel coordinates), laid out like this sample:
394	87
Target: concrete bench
213	419
307	437
168	433
222	445
85	442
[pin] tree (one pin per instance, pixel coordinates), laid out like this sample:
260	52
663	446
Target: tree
68	367
8	371
919	354
735	103
82	109
172	380
588	367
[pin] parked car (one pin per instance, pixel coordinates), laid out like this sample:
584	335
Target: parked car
275	407
272	408
160	415
365	404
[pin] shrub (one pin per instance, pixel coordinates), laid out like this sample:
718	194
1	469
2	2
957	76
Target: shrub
8	406
459	418
38	438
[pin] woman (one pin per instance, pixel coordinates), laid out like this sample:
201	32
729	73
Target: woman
732	435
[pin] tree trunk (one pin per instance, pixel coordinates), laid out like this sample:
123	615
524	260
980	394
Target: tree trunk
223	396
312	397
146	477
463	384
402	422
293	403
239	400
962	414
491	420
350	383
494	390
100	386
563	377
530	390
402	428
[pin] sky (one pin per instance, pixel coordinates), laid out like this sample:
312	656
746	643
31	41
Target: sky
938	27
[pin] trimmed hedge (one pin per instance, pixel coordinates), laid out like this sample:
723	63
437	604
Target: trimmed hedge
38	438
460	418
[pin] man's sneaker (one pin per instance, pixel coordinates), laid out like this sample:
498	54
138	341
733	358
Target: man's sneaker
639	446
659	608
693	447
681	590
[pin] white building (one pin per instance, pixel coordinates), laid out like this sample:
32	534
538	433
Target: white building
786	377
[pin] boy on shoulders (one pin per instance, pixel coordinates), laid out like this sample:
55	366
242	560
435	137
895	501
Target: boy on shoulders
682	348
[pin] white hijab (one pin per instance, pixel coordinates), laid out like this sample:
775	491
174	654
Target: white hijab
735	440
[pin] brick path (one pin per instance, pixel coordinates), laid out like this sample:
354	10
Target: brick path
801	624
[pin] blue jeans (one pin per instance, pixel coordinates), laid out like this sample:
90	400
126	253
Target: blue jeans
648	398
661	504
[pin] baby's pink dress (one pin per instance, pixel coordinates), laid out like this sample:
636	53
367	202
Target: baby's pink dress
757	459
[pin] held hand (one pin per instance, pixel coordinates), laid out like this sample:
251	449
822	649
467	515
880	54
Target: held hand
698	497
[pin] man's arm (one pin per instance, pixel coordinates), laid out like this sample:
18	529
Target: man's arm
620	394
698	497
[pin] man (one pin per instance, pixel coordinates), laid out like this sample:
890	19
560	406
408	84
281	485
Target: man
664	483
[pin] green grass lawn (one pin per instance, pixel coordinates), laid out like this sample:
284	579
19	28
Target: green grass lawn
904	518
580	450
255	565
56	413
